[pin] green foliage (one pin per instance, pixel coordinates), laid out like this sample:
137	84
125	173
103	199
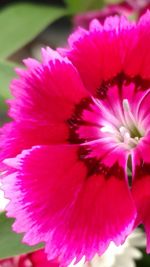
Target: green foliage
83	5
20	23
145	261
10	243
113	1
6	74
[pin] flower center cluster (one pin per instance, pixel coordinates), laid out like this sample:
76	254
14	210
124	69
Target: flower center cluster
116	118
128	131
117	115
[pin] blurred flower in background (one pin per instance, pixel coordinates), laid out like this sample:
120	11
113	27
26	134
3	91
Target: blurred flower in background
83	19
34	259
18	261
128	8
56	35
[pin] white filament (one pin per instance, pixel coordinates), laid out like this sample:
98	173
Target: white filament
124	133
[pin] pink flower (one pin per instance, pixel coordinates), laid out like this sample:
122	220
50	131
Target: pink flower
39	259
126	8
34	259
78	120
84	19
18	261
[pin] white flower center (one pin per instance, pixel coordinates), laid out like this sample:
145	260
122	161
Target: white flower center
127	132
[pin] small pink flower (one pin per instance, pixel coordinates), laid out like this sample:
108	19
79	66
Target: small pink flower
78	119
84	19
39	259
126	8
34	259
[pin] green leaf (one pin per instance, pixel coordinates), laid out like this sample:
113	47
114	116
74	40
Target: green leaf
145	261
83	5
113	1
6	74
20	23
10	243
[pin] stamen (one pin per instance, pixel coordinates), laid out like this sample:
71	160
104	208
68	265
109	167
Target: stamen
132	143
127	139
107	129
124	134
123	130
126	131
131	123
127	112
126	105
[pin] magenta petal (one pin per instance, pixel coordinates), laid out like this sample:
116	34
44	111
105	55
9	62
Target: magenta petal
17	136
141	195
42	104
141	185
113	47
109	50
137	53
53	200
39	88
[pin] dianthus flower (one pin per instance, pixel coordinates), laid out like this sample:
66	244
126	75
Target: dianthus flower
78	119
